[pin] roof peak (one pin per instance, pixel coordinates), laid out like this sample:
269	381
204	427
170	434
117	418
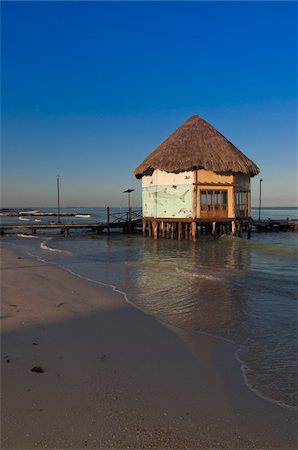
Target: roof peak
197	144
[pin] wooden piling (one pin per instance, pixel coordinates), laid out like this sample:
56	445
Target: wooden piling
155	228
168	230
108	219
179	231
149	228
214	230
162	229
186	231
239	229
172	230
194	231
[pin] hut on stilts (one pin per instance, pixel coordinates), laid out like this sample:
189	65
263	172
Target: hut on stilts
196	179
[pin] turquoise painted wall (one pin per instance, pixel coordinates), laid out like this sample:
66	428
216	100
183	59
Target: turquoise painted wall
168	201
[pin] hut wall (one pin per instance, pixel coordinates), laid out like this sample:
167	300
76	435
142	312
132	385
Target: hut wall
167	195
210	182
206	176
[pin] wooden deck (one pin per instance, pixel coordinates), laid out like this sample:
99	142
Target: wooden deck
126	221
275	225
65	228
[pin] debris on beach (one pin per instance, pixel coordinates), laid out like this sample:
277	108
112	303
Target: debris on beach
37	369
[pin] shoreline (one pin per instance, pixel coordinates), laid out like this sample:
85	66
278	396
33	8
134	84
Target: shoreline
120	378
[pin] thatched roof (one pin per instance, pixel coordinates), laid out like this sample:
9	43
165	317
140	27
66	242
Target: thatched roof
197	145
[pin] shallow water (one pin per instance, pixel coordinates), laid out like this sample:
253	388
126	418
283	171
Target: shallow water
238	290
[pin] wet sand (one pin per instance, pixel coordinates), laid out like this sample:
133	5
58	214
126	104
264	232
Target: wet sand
110	376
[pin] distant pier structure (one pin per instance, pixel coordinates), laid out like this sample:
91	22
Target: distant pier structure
196	180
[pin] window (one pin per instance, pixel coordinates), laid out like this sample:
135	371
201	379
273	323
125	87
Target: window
214	203
241	203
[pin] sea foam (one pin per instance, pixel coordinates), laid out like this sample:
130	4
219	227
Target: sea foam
44	246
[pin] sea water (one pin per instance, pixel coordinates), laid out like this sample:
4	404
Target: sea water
242	291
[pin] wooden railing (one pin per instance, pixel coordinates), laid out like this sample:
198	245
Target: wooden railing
126	216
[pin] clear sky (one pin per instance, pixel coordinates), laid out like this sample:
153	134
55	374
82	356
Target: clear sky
89	89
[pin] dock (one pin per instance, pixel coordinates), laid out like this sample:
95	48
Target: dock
127	221
275	225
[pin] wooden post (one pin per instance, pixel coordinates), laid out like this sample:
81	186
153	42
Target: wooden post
214	230
248	230
179	231
108	219
239	229
155	229
144	227
173	230
149	228
168	230
233	227
194	231
162	229
186	231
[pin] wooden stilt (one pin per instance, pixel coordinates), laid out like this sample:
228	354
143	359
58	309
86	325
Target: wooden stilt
214	230
233	227
239	229
249	230
149	228
108	219
168	230
162	229
155	229
194	231
186	231
179	231
173	230
144	227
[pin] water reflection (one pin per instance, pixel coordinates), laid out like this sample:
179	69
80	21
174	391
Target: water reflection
192	286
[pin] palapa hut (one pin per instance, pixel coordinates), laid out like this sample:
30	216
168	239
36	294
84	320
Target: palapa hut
195	176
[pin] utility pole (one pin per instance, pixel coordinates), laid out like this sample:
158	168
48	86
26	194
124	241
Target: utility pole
128	191
58	195
260	197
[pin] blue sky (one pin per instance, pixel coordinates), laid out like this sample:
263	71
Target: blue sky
89	89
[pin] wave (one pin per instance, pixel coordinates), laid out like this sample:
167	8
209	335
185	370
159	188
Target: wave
190	274
245	370
44	246
23	218
271	248
26	236
83	216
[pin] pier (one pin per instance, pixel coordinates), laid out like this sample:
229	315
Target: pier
127	221
275	225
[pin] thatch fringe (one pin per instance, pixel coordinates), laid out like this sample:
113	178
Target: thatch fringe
197	145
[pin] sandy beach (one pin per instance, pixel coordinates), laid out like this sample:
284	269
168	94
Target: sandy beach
108	376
